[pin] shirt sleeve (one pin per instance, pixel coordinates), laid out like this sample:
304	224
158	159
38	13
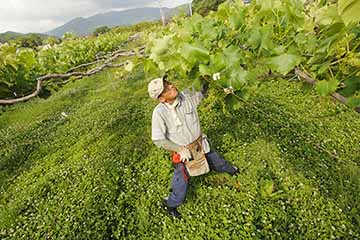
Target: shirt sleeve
158	128
168	145
195	96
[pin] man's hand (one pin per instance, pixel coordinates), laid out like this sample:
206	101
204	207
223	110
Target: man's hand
185	154
204	88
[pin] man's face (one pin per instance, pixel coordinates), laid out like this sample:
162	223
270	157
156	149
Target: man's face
169	93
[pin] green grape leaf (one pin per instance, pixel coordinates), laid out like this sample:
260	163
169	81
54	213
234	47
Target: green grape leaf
197	84
325	88
218	62
233	56
236	19
255	38
327	15
170	62
238	78
5	88
267	5
160	46
223	11
353	101
284	63
324	67
194	54
266	33
149	66
27	58
352	85
232	102
204	70
349	10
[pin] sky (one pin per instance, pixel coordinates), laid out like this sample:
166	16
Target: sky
44	15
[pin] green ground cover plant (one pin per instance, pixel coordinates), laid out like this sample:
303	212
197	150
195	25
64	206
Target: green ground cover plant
95	173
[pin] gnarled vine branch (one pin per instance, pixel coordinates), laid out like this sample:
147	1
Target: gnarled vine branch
311	81
107	63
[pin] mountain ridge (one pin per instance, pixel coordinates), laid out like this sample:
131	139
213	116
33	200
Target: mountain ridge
85	26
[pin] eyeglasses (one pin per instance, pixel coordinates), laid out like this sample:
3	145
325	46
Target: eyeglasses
167	87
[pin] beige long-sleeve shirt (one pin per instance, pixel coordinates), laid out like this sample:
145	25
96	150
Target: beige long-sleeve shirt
164	127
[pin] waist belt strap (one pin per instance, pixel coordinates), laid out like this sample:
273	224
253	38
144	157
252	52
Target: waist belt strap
196	145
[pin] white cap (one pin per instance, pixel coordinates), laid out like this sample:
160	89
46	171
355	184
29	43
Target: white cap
155	87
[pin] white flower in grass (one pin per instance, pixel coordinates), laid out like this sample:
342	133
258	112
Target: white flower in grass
64	114
229	90
216	76
129	66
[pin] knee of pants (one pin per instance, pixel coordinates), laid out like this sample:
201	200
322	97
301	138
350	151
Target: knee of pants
214	160
180	181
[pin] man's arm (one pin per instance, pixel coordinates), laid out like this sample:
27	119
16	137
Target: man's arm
158	134
168	145
198	96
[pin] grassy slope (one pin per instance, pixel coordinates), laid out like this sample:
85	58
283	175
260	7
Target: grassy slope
96	175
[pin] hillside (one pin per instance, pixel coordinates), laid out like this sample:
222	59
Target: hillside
80	163
7	36
85	26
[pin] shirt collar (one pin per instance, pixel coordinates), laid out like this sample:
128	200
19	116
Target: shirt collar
181	99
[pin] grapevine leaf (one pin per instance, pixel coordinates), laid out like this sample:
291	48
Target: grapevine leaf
194	54
204	70
255	38
325	88
238	78
353	61
218	62
353	101
267	5
236	19
266	33
284	63
160	46
323	67
231	101
233	56
223	11
352	85
149	66
197	84
4	88
349	10
327	15
27	58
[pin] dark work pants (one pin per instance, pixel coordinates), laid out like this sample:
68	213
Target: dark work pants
180	178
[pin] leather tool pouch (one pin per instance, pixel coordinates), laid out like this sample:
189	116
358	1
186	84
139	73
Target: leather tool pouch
198	165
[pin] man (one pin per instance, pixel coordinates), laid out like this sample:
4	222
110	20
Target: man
176	127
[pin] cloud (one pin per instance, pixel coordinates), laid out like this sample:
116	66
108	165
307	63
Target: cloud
43	15
26	26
